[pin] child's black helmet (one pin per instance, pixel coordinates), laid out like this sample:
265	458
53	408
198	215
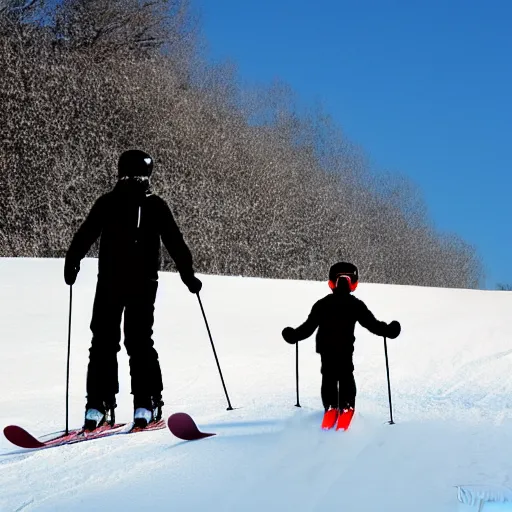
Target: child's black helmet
134	163
343	269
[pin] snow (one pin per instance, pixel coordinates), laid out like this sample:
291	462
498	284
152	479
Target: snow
451	382
474	494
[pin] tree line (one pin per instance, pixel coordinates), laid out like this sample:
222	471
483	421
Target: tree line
259	185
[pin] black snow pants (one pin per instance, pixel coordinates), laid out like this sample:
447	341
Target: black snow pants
136	299
338	383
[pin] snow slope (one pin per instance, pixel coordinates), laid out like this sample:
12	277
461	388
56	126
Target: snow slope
451	378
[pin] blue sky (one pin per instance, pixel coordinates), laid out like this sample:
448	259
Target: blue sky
424	87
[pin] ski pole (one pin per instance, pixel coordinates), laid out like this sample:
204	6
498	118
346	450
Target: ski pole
69	349
297	372
391	422
214	353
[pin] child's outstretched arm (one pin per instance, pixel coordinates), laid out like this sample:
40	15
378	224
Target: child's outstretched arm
305	330
368	321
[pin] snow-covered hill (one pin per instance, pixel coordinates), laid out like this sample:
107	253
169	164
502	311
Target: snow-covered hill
451	378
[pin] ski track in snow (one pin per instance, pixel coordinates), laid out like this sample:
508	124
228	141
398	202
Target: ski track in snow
451	379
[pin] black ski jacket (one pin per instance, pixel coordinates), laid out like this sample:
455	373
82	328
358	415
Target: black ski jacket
336	316
130	221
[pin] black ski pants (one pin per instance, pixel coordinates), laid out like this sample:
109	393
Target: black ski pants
136	299
338	384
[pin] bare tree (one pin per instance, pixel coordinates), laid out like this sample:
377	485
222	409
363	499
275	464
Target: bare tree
260	186
113	26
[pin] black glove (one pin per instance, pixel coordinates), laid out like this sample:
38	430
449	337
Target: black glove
71	269
393	330
289	335
193	284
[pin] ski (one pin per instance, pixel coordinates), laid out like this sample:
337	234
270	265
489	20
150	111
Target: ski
23	439
344	419
184	427
329	419
340	419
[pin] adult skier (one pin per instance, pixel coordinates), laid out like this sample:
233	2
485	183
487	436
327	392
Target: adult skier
130	221
335	316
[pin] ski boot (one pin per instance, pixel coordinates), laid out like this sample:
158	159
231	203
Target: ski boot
147	411
330	417
99	413
345	418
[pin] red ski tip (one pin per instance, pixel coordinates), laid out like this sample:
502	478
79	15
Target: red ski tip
329	419
20	437
345	418
184	427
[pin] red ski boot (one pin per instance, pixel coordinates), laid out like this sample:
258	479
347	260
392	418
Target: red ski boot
345	418
330	417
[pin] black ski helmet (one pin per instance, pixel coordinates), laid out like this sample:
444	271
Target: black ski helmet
343	269
134	163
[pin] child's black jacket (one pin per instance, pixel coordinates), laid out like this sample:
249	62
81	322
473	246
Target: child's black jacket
336	316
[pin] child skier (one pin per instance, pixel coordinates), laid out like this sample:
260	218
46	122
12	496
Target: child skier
335	316
130	221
